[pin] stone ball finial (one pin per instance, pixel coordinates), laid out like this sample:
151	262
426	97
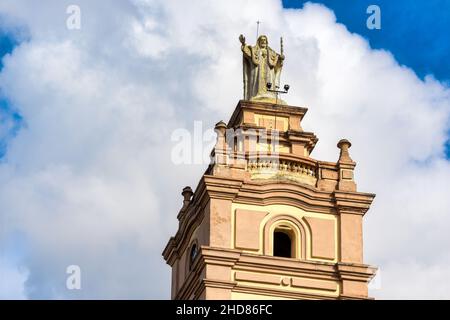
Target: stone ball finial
187	193
221	127
344	155
344	144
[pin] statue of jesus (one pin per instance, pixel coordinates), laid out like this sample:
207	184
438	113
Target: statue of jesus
262	65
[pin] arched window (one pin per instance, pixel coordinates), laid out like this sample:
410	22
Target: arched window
193	254
283	244
291	243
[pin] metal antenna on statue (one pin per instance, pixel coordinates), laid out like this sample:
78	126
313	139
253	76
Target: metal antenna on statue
281	45
269	85
276	88
257	29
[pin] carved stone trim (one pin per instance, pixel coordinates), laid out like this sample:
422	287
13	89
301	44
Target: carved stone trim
299	230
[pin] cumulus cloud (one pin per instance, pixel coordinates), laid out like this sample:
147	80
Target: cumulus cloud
88	179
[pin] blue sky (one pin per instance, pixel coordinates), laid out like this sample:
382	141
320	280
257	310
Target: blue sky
416	32
8	117
7	44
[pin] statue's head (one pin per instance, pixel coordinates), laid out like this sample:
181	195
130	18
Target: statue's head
262	41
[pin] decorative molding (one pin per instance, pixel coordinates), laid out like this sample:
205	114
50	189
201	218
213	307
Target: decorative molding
300	234
272	270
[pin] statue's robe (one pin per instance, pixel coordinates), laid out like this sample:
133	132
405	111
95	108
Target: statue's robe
259	69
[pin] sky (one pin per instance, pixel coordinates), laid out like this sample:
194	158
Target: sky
414	31
87	118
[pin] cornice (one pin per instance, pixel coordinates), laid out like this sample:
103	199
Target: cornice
282	293
263	193
357	272
221	187
353	202
240	261
263	107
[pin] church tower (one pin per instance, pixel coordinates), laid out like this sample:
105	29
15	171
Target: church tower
266	220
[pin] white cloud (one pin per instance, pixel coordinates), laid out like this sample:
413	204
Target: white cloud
88	180
11	279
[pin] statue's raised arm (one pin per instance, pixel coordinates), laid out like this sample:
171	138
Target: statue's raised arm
242	39
245	48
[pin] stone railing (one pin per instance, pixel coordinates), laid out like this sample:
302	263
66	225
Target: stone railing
290	166
282	166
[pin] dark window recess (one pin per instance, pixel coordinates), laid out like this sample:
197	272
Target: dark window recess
282	245
193	255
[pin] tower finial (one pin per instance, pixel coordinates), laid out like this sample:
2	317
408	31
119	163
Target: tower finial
344	155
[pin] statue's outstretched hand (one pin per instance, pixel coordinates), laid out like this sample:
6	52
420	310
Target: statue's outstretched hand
242	39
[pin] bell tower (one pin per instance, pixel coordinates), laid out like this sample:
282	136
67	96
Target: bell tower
266	220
